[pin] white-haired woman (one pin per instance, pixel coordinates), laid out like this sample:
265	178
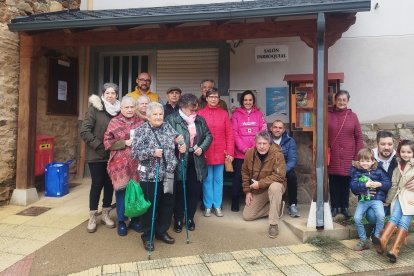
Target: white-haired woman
121	166
154	145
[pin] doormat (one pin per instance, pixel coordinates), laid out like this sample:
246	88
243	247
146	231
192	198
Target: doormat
33	211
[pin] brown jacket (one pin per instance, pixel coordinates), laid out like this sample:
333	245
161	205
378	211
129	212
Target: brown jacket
273	169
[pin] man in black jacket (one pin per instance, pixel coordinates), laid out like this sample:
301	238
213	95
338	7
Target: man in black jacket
173	95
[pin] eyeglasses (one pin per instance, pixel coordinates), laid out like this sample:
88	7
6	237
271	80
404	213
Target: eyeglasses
145	80
214	97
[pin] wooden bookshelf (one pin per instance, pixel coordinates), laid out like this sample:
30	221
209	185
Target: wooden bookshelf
303	100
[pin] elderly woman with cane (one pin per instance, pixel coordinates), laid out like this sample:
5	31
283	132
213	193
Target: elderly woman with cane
121	167
198	138
154	147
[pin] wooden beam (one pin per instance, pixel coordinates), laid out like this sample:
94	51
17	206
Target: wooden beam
82	147
180	34
26	122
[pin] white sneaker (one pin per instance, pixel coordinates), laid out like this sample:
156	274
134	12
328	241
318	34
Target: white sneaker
207	212
293	211
218	212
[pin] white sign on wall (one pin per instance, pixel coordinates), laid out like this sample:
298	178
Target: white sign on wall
271	53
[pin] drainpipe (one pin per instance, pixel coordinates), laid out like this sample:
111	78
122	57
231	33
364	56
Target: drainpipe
320	115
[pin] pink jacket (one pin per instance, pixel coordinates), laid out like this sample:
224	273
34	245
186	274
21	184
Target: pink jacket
245	126
345	148
218	123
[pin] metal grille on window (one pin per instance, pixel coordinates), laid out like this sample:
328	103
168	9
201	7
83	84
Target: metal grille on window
123	70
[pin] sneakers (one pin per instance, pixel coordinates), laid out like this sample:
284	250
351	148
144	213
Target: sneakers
273	231
218	212
361	245
293	211
207	212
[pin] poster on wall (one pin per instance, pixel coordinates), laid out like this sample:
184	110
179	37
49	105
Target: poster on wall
277	104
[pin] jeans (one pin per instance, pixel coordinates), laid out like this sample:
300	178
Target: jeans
370	215
120	205
398	218
100	180
362	207
213	186
339	190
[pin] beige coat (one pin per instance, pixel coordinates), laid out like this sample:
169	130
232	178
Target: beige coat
398	190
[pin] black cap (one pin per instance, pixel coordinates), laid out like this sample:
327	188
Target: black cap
174	89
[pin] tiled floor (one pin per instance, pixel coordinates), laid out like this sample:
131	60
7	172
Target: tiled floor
298	260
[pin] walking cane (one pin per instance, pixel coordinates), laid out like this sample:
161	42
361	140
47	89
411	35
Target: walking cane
153	209
185	200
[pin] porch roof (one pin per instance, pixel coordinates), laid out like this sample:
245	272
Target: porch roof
86	19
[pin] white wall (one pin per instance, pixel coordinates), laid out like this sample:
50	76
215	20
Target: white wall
376	55
245	73
111	4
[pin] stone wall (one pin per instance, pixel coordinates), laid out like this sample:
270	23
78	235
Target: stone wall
9	77
304	147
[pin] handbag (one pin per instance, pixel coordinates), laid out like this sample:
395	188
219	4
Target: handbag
135	202
228	165
328	152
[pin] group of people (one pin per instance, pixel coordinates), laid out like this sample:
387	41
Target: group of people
188	139
381	178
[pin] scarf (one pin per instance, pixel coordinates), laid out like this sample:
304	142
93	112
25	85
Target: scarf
112	109
191	125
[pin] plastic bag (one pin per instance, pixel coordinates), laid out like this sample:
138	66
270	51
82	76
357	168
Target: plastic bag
135	203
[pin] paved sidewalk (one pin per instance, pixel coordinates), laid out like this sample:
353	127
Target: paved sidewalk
21	236
305	259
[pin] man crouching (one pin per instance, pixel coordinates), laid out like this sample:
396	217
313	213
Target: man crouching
264	182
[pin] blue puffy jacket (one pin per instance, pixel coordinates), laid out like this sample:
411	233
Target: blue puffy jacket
288	146
376	174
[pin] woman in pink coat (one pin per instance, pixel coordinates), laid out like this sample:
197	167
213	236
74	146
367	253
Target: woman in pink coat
221	148
246	121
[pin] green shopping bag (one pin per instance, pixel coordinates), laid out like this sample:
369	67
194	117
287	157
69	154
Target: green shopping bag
135	203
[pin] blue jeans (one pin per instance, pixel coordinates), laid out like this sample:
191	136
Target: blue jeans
362	207
397	217
120	205
213	186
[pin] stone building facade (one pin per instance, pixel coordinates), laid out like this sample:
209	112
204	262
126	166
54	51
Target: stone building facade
9	76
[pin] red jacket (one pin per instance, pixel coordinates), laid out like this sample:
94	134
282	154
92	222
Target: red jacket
218	123
345	148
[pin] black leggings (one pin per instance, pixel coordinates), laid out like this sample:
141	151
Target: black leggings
100	179
236	186
339	190
292	187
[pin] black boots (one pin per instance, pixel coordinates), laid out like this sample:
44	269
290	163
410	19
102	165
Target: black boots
343	211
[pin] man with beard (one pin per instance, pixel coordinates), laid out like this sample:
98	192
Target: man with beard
385	155
143	88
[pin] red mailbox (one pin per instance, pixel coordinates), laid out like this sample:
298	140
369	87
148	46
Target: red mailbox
44	153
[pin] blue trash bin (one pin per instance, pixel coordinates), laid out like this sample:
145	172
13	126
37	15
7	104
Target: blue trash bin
57	179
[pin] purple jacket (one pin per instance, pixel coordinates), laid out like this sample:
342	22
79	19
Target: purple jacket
245	126
345	148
